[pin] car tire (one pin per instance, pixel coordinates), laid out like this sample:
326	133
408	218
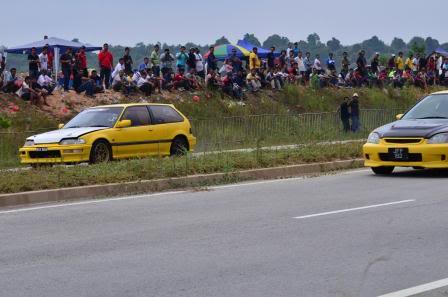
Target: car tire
101	152
179	146
383	170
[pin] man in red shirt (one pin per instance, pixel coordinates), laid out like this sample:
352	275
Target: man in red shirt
81	61
105	60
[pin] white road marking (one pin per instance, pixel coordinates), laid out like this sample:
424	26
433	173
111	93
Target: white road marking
353	209
104	200
419	289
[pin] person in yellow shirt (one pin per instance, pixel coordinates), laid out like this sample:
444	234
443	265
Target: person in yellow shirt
409	64
399	63
254	60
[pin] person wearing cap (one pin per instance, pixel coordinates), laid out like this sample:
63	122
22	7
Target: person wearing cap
354	112
391	62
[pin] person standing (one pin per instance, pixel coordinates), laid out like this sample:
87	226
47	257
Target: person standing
128	61
155	60
181	59
308	65
345	114
106	61
166	60
375	63
199	63
271	59
345	63
33	63
212	62
331	63
43	59
80	67
354	112
66	67
399	63
361	63
254	60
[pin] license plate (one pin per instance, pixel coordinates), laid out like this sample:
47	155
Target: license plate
399	154
41	149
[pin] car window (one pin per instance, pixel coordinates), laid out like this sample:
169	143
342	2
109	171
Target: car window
138	115
165	114
433	106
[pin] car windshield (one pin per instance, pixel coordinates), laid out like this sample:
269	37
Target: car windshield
431	107
95	117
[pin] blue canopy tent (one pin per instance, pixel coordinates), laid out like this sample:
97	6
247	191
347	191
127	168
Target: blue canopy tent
57	44
262	53
441	52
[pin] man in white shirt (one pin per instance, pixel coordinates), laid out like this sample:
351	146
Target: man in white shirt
118	68
317	64
46	82
144	85
199	63
43	59
300	63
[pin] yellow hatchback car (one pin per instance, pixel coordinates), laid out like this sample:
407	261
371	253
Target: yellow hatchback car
103	133
419	138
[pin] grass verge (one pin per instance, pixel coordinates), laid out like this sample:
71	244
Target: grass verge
153	168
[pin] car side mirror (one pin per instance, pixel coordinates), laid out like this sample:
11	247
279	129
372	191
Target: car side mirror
60	126
123	124
399	116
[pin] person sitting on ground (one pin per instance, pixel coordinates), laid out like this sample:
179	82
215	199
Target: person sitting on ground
253	81
27	93
212	80
167	80
144	85
194	79
9	81
88	86
44	82
181	83
98	87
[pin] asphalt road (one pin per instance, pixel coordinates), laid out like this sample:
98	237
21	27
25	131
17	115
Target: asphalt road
350	234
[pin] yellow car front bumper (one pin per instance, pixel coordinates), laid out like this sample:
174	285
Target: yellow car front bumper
54	153
421	154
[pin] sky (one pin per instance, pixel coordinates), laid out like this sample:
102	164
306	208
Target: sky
204	21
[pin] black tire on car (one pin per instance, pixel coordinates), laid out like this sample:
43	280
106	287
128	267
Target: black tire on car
179	146
101	152
383	170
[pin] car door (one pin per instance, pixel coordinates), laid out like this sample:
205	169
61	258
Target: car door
133	141
165	123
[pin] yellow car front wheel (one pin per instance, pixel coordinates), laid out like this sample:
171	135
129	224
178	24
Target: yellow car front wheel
101	152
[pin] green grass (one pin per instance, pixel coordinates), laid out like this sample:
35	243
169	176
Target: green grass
153	168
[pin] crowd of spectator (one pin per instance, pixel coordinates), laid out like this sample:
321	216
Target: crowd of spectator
189	70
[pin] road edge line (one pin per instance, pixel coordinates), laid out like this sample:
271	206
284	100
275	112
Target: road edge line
159	185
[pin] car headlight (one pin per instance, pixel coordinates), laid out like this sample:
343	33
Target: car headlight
373	138
70	141
438	138
29	142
